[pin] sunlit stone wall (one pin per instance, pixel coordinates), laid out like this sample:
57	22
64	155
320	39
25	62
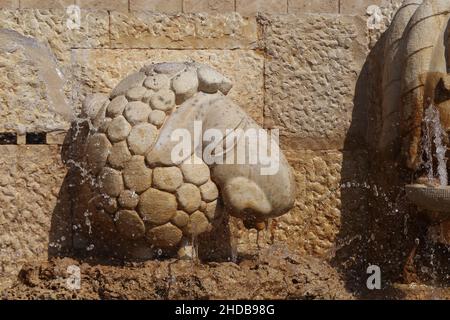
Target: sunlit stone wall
294	66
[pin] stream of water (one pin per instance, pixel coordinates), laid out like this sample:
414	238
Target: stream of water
434	133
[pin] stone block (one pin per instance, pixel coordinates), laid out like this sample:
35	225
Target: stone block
311	71
359	7
9	4
208	6
113	5
34	215
45	4
252	7
162	6
330	188
316	6
184	31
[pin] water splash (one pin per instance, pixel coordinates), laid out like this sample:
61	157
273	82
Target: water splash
433	132
42	57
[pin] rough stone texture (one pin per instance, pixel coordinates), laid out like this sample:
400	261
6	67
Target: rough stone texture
45	4
128	199
98	148
165	236
360	6
119	155
251	7
167	179
180	219
324	64
209	6
193	172
136	112
194	31
198	224
136	175
309	95
331	197
157	117
163	6
116	106
315	6
129	224
116	5
34	223
243	67
111	182
118	129
275	274
141	138
209	191
25	94
157	207
188	196
9	4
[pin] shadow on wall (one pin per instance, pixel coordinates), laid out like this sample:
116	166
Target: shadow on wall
378	225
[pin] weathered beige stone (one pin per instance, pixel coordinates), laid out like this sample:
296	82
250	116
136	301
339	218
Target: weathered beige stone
244	67
210	81
316	6
208	6
133	80
56	137
9	4
185	85
164	236
119	155
45	4
180	219
136	175
222	31
136	112
164	6
118	129
195	171
157	207
129	224
116	106
141	138
209	191
111	182
98	150
115	5
188	196
360	6
198	224
157	82
168	179
109	204
34	211
251	7
169	68
319	115
128	199
136	93
157	117
211	211
163	100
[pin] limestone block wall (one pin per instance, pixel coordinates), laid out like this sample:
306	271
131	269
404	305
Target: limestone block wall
294	64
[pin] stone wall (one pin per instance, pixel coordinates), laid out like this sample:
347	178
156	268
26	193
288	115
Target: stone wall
295	66
243	7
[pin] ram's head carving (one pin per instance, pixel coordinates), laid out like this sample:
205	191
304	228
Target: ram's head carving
142	186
